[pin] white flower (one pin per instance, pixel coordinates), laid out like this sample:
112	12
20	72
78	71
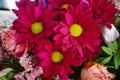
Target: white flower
110	34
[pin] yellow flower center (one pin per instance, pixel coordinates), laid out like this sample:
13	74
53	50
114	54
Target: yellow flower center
56	56
76	30
65	6
37	28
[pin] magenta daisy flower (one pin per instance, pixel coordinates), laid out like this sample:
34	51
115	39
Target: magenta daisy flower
80	31
55	61
33	21
105	10
63	4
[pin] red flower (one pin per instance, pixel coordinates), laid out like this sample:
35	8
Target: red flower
55	61
79	31
104	10
33	21
59	4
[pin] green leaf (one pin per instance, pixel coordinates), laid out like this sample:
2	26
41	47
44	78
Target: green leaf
117	60
107	50
113	46
3	78
5	71
4	27
106	60
99	59
119	44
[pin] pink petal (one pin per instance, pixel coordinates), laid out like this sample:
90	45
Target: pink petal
37	12
43	55
80	50
66	39
69	19
57	28
65	30
57	38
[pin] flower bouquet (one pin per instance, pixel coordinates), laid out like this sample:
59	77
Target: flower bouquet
62	40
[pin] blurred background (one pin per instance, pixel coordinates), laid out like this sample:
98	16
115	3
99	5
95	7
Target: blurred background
6	14
7	4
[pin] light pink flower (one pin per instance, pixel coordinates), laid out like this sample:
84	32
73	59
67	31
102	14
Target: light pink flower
36	72
9	42
95	71
26	62
30	75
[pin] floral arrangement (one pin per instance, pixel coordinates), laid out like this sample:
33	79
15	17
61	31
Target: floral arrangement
62	40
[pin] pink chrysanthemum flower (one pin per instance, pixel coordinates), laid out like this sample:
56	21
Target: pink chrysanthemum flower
33	21
79	31
105	10
63	4
55	61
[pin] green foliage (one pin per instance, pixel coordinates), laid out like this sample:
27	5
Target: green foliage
4	27
117	21
14	65
110	57
117	61
6	74
113	46
106	60
113	54
107	50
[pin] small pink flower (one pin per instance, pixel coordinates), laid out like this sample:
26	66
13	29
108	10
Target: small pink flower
9	42
26	62
36	72
30	75
95	71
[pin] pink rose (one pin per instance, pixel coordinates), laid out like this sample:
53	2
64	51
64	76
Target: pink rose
95	71
9	42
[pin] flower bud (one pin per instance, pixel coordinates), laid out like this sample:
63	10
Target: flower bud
110	34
